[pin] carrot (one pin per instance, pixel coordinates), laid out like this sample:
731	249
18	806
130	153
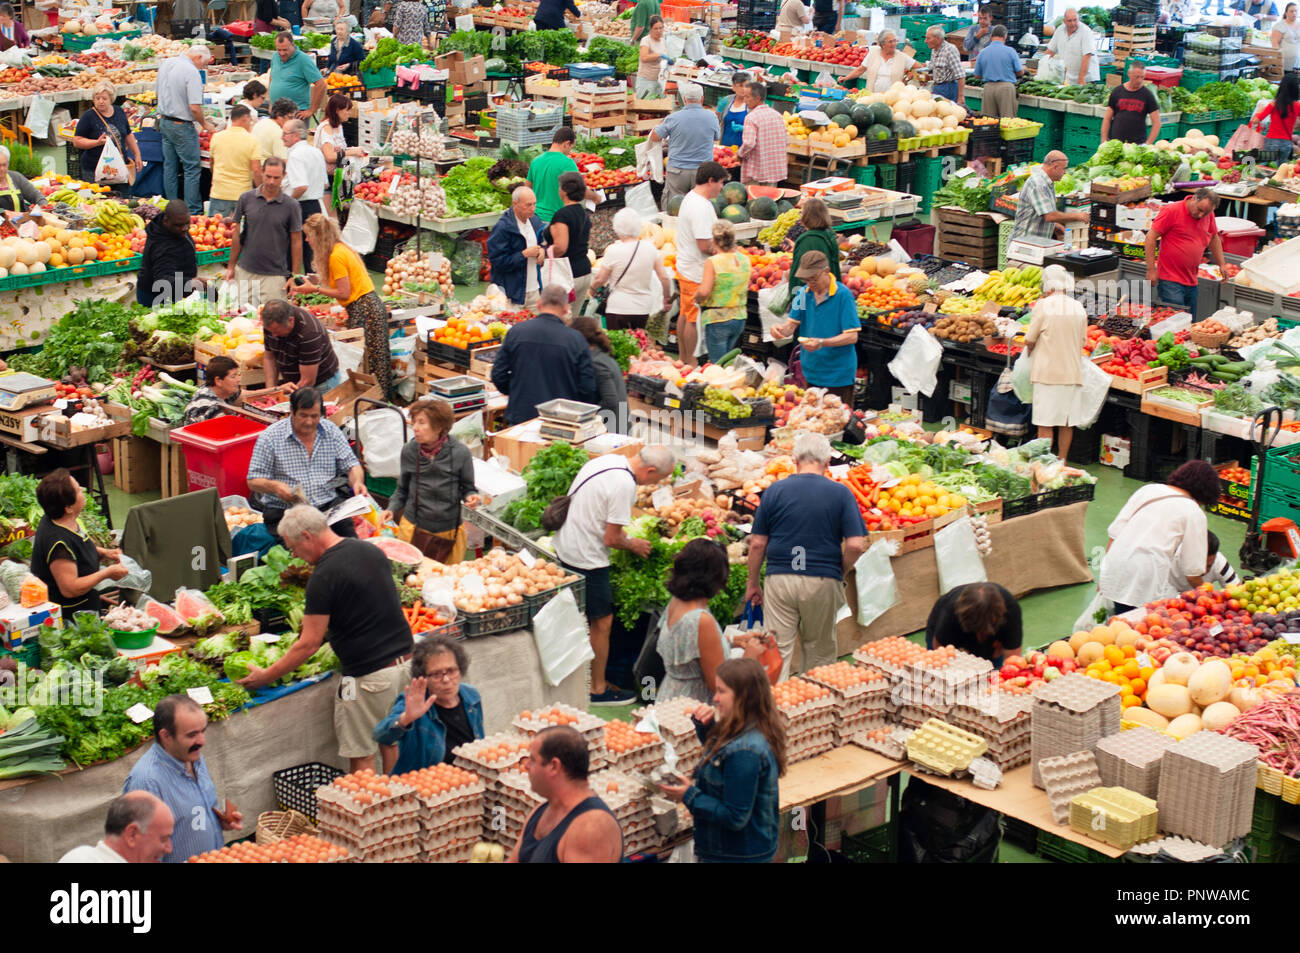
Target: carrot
417	606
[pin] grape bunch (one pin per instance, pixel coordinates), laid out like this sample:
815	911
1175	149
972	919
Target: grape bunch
774	233
725	404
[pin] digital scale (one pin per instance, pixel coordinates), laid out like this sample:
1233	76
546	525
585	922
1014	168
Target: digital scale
570	420
464	393
24	390
1033	250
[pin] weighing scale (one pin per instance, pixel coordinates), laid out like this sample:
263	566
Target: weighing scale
24	390
1033	250
464	393
570	420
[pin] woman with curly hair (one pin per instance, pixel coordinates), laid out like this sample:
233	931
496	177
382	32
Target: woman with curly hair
1159	538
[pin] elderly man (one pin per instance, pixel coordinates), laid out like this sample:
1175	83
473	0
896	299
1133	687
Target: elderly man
999	66
543	359
1176	244
980	33
795	16
174	771
947	75
236	162
695	220
293	74
763	159
514	249
305	177
298	350
574	826
180	106
601	498
267	245
269	130
810	532
690	133
1076	45
169	263
303	458
1036	214
1128	109
137	830
350	595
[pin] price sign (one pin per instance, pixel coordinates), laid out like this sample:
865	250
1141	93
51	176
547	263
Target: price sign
527	558
139	713
202	694
1144	660
617	151
1217	629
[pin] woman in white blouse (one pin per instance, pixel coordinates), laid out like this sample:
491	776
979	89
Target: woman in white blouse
329	137
1286	37
628	266
884	65
1159	536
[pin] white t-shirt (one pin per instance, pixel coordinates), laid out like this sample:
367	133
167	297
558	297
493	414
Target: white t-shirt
530	239
633	292
607	498
792	14
650	71
1072	50
306	166
101	853
1158	533
331	134
695	220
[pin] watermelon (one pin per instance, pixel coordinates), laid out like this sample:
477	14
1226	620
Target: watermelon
720	203
735	193
398	551
878	132
838	108
168	619
675	204
881	114
764	209
190	606
864	117
735	214
783	206
904	129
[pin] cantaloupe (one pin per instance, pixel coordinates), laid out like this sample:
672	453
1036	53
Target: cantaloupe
36	268
8	255
1219	715
1145	716
76	256
1127	636
1169	700
1060	649
1103	634
1180	667
89	253
1210	683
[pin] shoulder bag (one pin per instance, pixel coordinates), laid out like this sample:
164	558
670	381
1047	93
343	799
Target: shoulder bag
603	294
557	511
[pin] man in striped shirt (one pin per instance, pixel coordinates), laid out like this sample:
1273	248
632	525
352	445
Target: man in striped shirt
947	75
298	352
1217	568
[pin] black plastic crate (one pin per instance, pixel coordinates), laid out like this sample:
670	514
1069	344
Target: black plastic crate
877	147
433	92
271	621
1066	495
1021	507
1020	834
375	261
536	602
456	356
906	177
1017	150
495	621
295	788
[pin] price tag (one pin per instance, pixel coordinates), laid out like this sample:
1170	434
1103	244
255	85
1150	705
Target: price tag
139	713
527	558
265	637
662	497
592	167
1291	638
394	184
617	151
1217	629
202	694
963	173
1144	660
931	308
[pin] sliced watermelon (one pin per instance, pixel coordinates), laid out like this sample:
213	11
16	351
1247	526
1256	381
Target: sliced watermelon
168	619
189	606
397	551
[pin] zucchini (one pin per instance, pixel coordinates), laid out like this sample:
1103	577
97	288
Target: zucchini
729	357
1239	367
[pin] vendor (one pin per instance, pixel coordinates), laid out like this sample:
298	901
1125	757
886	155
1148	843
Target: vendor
1263	12
17	194
169	264
438	712
884	65
346	53
652	51
11	30
825	315
1183	231
221	389
1076	45
293	75
733	109
62	557
982	619
97	126
1282	112
1128	108
551	14
298	349
1285	36
1036	214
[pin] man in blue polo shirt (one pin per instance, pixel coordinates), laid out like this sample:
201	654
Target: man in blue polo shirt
999	66
691	132
294	76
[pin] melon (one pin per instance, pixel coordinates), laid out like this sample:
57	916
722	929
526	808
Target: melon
1169	700
763	209
1218	716
8	255
720	203
864	117
43	251
36	268
675	204
783	206
1090	652
168	619
1145	716
881	114
190	607
1210	683
397	551
735	193
27	253
878	133
18	268
838	108
1060	649
90	252
735	214
1184	725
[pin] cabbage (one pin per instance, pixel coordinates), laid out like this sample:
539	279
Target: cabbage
237	665
1110	151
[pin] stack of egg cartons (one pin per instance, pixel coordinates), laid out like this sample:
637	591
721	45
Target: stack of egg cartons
1071	713
451	811
514	802
807	713
1115	815
861	695
491	758
943	749
529	723
676	729
376	818
630	750
1000	719
630	803
1207	788
1131	759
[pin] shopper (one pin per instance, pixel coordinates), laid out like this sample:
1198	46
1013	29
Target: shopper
999	66
17	194
1058	329
169	263
733	109
346	52
1263	11
690	133
515	251
175	772
293	75
329	137
980	618
352	596
1218	569
567	237
763	158
100	124
269	130
884	65
733	798
1176	244
1036	214
137	830
267	244
574	826
611	387
826	16
1076	45
1284	110
236	162
652	52
180	108
267	19
1161	530
436	476
628	267
543	359
437	713
980	33
695	221
62	556
825	315
723	292
601	497
411	22
298	352
642	13
551	14
305	178
947	75
323	10
342	275
689	639
817	235
1128	108
544	172
794	16
374	13
810	533
11	29
212	399
1285	36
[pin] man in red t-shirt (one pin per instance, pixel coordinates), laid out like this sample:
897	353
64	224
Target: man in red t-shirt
1184	230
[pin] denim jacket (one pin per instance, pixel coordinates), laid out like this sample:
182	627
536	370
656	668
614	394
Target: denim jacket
424	742
734	801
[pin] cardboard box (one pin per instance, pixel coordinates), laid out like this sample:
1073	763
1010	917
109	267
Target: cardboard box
1115	451
24	424
20	626
904	400
461	70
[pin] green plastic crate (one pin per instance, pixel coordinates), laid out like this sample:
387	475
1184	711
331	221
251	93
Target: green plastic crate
875	846
213	256
886	175
1194	79
1068	852
1282	475
28	654
864	174
378	79
78	43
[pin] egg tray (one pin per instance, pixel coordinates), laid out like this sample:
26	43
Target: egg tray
867	721
362	840
879	686
811	721
1207	788
804	753
516	784
812	706
944	748
893	750
468	808
676	709
586	724
462	832
630	796
914	717
1077	693
641	759
985	773
1066	776
1113	815
1132	759
1007	760
331	802
456	854
649	840
1179	848
365	833
397	852
468	756
995	708
452	801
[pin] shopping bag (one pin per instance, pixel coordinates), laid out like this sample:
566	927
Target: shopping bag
751	624
362	230
1020	383
641	199
557	271
137	577
916	365
1090	396
957	556
560	631
381	433
649	165
874	575
111	168
1244	140
38	116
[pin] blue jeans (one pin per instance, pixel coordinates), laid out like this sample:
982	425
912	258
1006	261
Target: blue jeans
946	90
327	385
224	207
180	145
721	337
1177	295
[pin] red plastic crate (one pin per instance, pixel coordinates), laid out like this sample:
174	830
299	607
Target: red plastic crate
1164	76
217	452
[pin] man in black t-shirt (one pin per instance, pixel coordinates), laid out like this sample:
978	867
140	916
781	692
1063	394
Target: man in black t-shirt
351	594
1128	108
827	15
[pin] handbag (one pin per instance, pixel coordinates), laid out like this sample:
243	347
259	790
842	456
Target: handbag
603	293
557	511
437	548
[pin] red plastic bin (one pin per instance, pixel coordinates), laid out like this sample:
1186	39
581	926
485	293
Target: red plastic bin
217	452
1242	241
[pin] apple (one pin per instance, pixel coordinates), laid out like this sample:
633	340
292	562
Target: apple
1051	674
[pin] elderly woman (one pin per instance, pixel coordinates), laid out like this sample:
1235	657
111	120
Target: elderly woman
884	65
437	473
346	52
438	712
722	293
62	557
650	56
610	383
410	22
1285	37
733	109
568	233
1058	326
100	124
815	235
17	194
628	267
11	29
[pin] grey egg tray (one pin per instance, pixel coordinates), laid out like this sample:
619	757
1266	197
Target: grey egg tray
1207	788
1179	848
1064	777
1131	759
1076	692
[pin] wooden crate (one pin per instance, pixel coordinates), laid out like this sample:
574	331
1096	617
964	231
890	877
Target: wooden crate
56	430
136	464
1149	378
1190	414
174	480
250	375
536	89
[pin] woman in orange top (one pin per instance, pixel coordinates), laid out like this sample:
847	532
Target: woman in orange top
344	277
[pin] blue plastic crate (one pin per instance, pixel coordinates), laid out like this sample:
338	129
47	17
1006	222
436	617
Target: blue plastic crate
589	71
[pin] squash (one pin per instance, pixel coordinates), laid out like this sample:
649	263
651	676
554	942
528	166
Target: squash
27	253
1145	716
1183	726
1170	700
1180	667
1218	716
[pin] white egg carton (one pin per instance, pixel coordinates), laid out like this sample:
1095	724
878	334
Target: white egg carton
363	840
516	783
587	725
462	832
812	706
812	750
642	759
454	854
468	756
845	731
394	852
467	809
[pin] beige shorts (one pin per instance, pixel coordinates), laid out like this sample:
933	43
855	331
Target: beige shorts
256	290
363	702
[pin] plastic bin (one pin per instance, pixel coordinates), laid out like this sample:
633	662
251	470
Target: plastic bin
217	452
1241	241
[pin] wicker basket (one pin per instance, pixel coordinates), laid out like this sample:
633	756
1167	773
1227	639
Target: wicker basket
1202	339
274	826
1269	779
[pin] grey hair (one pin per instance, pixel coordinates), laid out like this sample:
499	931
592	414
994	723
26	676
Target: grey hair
302	520
628	223
4	153
1056	278
661	458
200	52
297	127
934	28
554	296
811	448
691	92
134	807
885	35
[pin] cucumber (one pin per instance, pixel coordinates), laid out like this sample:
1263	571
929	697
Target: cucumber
729	357
1239	367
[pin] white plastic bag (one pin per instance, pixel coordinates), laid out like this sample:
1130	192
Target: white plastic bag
111	168
1180	321
770	312
641	198
137	577
957	556
381	433
38	117
916	365
649	164
874	575
349	356
402	353
1020	382
1090	396
557	271
560	630
362	230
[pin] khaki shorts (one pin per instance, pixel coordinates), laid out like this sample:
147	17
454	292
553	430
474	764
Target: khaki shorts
258	289
363	702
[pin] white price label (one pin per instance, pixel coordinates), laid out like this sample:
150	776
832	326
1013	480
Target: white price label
394	183
266	637
139	713
593	167
1291	638
662	497
1144	660
617	151
527	558
1216	629
202	694
963	173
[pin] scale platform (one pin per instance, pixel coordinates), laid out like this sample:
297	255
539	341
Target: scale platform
569	432
1034	250
24	390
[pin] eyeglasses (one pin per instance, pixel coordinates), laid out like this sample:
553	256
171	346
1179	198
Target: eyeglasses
443	673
